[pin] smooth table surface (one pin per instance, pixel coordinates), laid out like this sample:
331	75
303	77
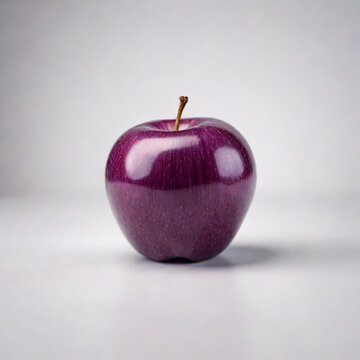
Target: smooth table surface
71	287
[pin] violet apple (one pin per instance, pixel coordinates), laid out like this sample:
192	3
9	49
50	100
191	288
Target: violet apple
180	191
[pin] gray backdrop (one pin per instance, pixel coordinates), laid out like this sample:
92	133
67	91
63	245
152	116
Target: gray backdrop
76	74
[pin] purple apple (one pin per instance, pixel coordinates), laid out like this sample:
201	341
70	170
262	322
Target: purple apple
180	193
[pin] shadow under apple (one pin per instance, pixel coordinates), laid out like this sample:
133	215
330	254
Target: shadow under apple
300	252
234	255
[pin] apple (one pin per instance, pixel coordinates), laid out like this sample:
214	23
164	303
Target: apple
180	189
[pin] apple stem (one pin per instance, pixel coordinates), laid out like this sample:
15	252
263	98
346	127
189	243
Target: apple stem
183	101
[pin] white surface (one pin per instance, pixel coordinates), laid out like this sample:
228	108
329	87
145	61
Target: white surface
71	287
76	74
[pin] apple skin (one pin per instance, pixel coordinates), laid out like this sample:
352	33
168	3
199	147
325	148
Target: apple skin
180	194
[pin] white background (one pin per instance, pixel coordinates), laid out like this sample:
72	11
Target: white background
75	74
